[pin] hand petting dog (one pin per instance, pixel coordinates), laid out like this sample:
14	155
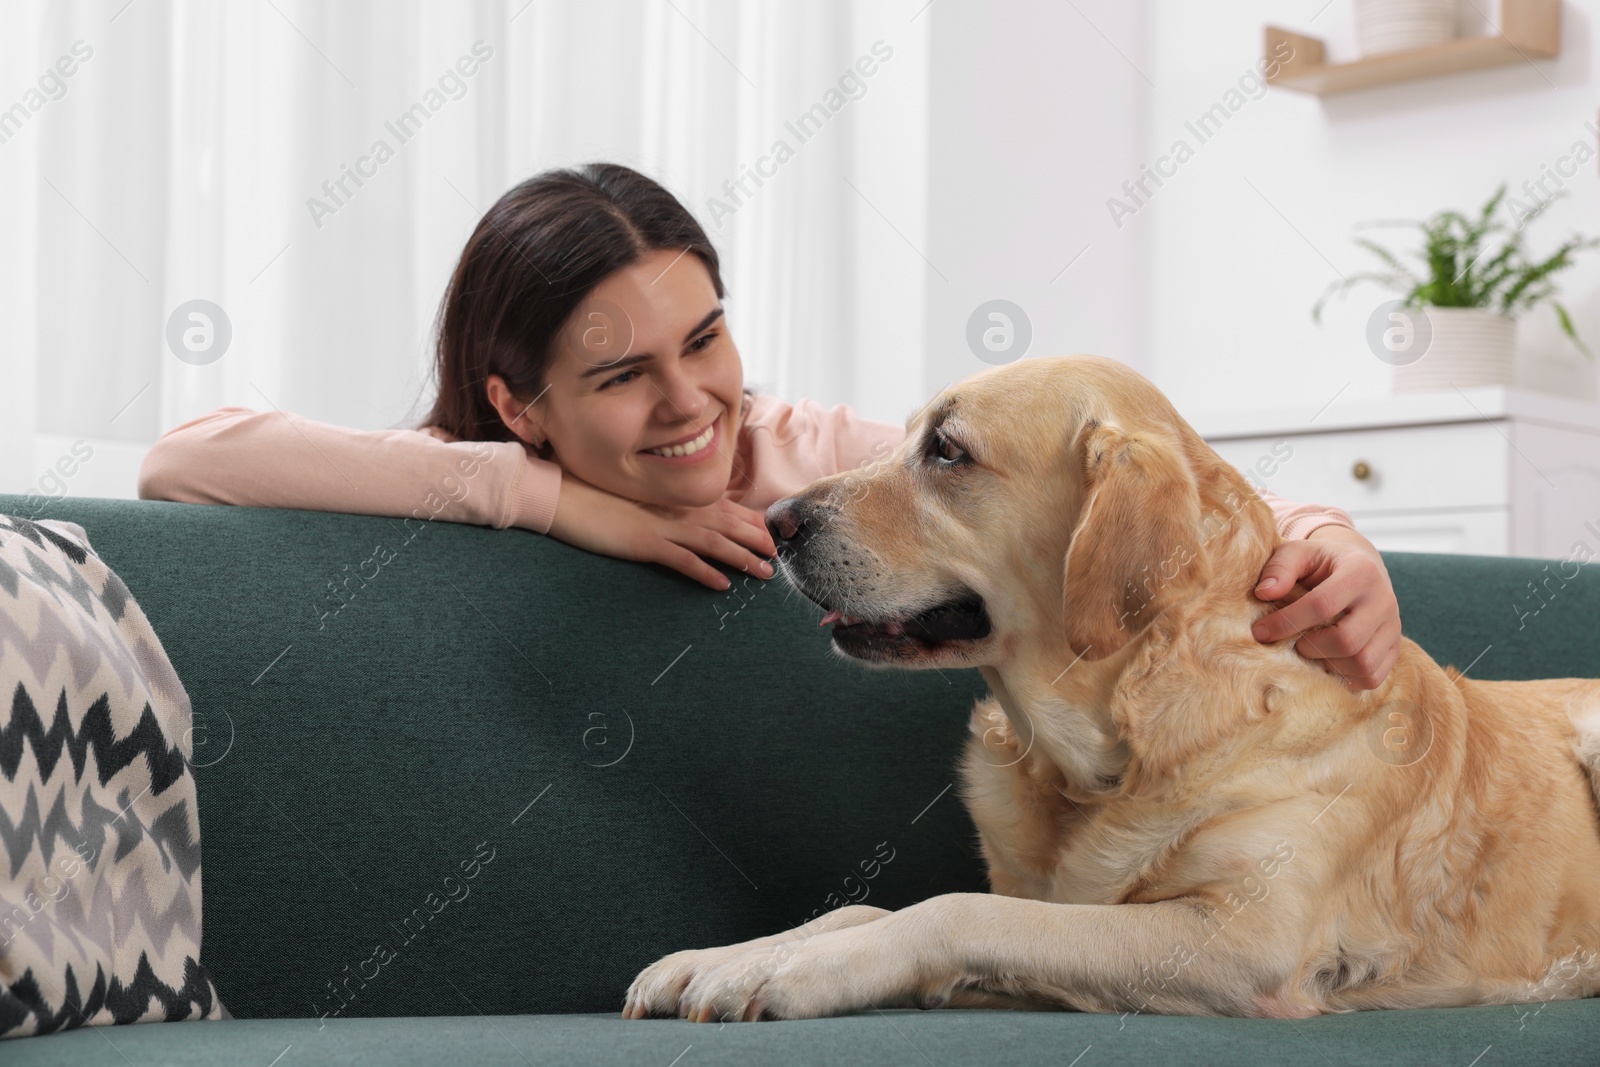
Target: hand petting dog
1346	577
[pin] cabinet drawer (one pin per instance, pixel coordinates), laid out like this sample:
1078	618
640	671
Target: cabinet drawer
1477	533
1455	465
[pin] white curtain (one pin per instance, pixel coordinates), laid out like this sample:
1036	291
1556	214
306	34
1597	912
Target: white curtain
177	159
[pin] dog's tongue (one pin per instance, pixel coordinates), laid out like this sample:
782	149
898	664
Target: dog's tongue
832	616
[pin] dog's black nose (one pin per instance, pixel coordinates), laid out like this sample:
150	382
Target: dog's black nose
789	524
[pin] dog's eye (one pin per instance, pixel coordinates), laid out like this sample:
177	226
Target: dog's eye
946	450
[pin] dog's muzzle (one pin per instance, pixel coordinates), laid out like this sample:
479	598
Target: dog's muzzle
861	628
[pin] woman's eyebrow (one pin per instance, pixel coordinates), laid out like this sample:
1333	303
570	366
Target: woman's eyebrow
627	361
711	316
612	367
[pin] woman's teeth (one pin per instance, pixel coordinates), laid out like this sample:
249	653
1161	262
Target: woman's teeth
688	448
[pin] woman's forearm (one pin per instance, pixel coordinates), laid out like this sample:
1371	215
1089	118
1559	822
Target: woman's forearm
277	459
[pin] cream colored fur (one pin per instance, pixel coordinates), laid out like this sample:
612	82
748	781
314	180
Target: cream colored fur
1175	817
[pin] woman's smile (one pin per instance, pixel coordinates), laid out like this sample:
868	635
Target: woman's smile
693	447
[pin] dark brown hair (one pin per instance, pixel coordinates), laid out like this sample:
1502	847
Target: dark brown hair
529	263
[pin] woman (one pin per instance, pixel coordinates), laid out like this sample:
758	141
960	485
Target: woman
588	389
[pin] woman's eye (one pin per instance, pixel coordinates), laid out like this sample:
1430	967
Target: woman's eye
699	344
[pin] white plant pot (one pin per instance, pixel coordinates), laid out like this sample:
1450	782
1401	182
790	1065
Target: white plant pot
1467	347
1398	25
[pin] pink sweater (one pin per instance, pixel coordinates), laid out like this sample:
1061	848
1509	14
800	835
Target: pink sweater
278	460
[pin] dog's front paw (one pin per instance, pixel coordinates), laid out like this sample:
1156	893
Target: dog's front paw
836	973
725	990
657	989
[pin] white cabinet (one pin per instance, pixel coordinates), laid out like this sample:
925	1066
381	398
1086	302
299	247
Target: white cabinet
1481	471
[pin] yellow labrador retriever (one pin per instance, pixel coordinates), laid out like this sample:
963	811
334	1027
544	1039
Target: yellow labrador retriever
1175	817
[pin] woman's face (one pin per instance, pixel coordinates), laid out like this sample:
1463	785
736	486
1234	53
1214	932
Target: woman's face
643	394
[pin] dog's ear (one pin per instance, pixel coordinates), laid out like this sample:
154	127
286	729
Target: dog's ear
1136	548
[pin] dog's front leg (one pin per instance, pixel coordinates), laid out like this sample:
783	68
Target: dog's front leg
1172	957
1182	956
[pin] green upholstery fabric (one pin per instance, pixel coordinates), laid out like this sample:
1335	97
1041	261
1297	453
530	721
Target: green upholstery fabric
461	686
1563	1033
474	691
1507	618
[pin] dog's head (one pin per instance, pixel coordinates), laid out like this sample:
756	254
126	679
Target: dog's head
1047	506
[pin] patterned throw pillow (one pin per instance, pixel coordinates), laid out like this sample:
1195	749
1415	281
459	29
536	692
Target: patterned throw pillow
99	834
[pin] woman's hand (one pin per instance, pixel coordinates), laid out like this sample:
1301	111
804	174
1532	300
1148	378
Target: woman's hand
597	521
1345	574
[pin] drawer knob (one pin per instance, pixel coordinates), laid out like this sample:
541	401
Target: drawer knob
1361	471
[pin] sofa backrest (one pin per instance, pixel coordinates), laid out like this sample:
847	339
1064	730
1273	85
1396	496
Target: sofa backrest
446	769
626	763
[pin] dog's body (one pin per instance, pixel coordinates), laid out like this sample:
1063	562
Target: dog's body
1176	818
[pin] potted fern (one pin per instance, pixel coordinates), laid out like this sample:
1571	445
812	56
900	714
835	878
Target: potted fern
1467	295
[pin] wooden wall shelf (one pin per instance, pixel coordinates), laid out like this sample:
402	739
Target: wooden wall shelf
1530	29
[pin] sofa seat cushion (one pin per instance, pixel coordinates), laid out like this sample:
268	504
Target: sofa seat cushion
1528	1035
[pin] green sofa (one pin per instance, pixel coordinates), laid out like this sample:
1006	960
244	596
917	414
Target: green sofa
648	766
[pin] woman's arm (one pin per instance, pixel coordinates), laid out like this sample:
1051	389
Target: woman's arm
275	459
1297	521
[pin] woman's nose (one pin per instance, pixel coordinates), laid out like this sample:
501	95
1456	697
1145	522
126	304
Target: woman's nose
683	393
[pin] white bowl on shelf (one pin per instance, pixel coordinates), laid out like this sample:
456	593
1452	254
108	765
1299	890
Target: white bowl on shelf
1400	25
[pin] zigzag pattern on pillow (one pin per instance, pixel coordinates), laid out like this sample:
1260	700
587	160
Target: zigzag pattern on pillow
99	832
124	1003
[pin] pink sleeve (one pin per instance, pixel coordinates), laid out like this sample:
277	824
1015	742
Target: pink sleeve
1296	521
272	459
845	440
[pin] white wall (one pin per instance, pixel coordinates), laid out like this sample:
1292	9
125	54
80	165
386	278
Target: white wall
1036	113
983	158
1231	281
